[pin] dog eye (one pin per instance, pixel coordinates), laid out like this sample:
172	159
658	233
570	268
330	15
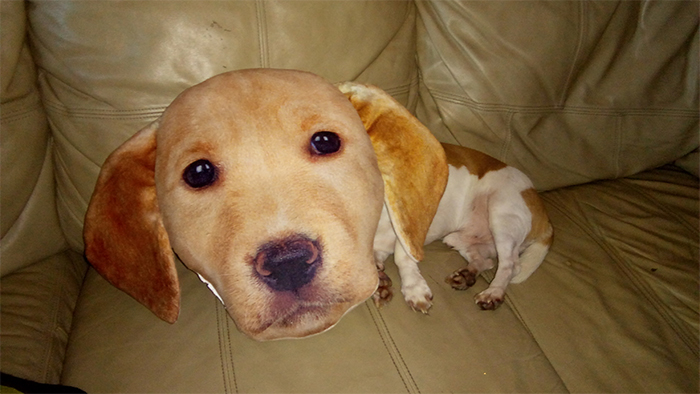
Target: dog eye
325	142
200	173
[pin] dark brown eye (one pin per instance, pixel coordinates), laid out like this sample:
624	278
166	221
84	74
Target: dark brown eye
200	173
325	142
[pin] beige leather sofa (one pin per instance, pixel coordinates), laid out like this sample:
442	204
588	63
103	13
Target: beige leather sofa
597	101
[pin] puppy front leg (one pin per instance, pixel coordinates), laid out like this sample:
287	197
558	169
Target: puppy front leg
413	286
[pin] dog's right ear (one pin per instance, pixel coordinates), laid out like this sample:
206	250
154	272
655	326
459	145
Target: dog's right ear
125	240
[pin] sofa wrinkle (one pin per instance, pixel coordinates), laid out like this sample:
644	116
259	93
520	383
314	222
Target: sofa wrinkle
388	43
64	166
582	23
62	200
647	197
444	28
505	147
596	233
651	296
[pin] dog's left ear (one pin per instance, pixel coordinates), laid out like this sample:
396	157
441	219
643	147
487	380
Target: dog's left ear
411	160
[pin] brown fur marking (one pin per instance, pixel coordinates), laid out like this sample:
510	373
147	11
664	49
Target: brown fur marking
477	163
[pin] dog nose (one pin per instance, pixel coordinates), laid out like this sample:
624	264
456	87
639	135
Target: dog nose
289	263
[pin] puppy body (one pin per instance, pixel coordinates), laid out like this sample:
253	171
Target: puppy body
489	210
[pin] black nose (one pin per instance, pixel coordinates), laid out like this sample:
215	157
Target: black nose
289	263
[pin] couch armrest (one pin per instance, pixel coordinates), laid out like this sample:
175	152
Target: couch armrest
28	221
36	306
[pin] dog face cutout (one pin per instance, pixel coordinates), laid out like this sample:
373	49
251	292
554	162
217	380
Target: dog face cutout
267	185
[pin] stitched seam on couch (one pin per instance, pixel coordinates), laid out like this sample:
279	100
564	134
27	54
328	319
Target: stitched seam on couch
61	198
228	372
488	107
263	46
402	89
89	113
687	338
391	348
19	109
21	115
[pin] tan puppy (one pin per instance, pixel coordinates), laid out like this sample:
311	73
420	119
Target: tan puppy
488	211
266	184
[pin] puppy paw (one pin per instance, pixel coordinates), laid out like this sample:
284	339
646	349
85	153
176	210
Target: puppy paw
418	296
462	279
489	299
384	292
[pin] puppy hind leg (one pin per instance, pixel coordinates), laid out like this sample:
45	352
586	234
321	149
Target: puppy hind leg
415	289
508	239
509	221
477	256
478	262
493	296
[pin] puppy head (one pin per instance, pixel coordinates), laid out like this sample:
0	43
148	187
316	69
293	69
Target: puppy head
263	182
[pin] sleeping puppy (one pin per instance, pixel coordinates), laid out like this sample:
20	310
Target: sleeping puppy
488	211
267	185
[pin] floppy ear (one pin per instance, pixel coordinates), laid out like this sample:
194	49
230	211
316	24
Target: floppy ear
125	240
410	158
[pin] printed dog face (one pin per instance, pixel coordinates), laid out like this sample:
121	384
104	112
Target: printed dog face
284	228
266	184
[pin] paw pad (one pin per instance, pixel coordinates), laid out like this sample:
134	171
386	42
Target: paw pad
461	279
384	292
488	302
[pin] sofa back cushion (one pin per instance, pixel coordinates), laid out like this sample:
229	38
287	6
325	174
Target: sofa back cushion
568	91
109	68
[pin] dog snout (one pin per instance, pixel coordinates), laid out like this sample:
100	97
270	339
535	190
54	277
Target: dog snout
288	264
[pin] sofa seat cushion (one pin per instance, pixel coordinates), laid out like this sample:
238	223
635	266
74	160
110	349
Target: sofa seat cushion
37	305
119	346
597	316
615	305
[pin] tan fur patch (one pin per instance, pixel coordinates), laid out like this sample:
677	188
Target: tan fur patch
477	163
541	230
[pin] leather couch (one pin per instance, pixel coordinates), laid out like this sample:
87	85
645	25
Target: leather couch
597	101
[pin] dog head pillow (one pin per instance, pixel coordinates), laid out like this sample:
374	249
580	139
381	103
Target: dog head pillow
269	185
